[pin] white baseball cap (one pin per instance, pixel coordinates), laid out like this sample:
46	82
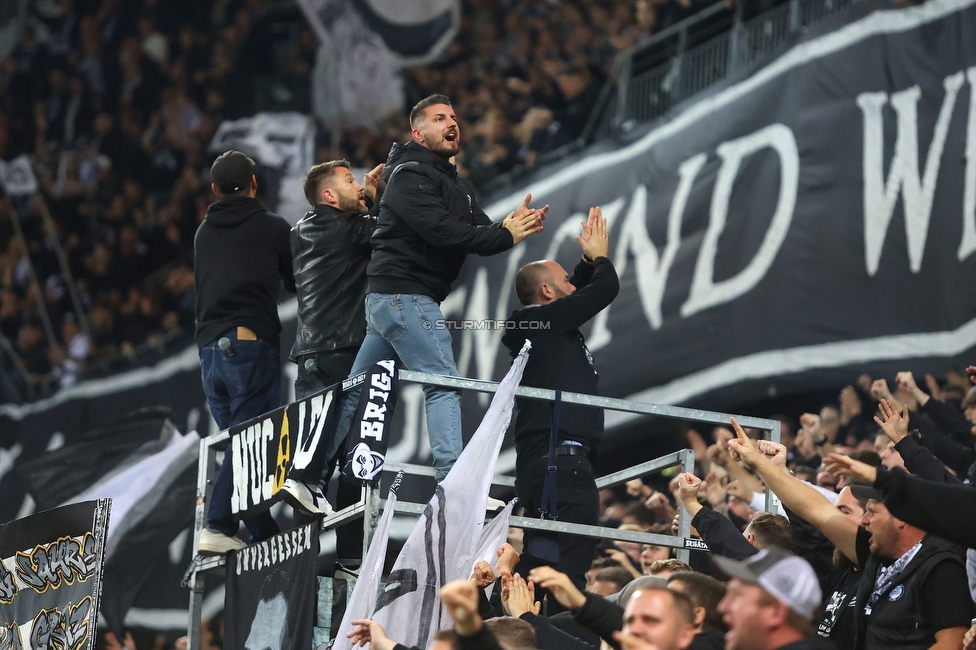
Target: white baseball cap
785	576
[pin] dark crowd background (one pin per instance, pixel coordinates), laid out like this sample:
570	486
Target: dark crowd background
115	101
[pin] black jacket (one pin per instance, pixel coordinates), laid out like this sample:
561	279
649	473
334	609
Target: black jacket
428	222
240	252
897	620
330	250
601	616
721	535
559	359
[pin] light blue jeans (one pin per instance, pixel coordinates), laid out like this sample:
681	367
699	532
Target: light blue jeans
403	326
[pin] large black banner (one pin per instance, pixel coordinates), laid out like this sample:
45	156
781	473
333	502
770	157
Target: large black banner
815	216
50	577
271	592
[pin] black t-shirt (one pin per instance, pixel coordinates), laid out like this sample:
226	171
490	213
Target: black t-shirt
945	598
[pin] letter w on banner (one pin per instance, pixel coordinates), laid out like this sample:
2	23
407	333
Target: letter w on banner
446	541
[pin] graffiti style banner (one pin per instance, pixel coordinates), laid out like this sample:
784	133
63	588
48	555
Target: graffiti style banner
50	577
286	442
270	602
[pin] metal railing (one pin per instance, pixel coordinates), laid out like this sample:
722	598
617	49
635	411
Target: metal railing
369	506
681	61
647	93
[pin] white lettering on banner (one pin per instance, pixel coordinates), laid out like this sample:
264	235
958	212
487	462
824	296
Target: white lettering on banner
880	195
278	549
705	292
252	465
310	432
652	270
383	382
238	498
968	243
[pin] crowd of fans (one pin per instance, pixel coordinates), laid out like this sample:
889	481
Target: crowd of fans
851	558
115	102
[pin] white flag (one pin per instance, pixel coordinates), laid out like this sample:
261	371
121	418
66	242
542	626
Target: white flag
494	535
363	596
17	176
446	540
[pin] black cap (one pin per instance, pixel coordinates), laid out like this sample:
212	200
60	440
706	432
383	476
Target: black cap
865	492
232	172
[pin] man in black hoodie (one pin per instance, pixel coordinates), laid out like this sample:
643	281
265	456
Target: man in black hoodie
428	222
241	250
556	306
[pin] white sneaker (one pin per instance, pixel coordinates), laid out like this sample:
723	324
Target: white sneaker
494	505
307	498
213	543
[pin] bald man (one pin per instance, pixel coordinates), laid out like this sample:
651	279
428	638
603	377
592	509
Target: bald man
555	306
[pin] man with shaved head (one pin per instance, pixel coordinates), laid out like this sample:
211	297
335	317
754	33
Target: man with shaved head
555	306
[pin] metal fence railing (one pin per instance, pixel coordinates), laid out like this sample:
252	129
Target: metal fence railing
370	505
681	61
646	94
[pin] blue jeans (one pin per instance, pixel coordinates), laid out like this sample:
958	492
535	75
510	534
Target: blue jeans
402	326
239	388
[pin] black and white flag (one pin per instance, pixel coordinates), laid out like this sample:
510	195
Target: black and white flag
450	535
271	592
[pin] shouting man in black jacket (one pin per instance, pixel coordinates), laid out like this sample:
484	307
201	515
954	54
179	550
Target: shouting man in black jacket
556	306
240	252
330	248
428	222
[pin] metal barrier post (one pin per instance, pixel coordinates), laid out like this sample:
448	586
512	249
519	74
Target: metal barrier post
684	519
623	90
772	503
206	473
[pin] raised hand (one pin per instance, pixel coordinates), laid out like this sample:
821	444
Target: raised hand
811	425
840	465
594	239
461	600
742	449
508	557
688	486
739	491
482	575
372	180
657	502
559	585
934	389
371	632
775	452
523	225
879	389
893	423
714	490
906	380
518	597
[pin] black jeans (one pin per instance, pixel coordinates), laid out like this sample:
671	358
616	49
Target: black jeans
577	501
333	367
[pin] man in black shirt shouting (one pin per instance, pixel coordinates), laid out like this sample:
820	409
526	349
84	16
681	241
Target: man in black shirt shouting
555	307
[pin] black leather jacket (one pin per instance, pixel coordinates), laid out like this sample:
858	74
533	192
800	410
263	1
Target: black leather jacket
330	250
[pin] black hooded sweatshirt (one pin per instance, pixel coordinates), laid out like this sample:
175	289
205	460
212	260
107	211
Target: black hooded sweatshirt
428	222
240	251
